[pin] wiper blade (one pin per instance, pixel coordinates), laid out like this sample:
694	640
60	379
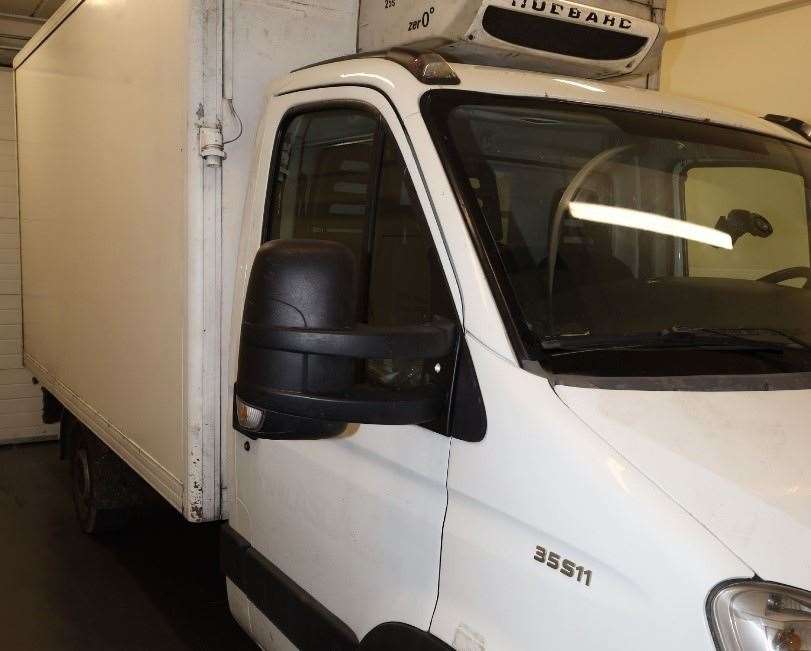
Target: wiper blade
687	338
748	336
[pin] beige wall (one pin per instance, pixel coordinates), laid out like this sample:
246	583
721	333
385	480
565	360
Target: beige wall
749	54
20	399
713	191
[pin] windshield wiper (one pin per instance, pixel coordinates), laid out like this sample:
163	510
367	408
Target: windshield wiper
749	335
732	340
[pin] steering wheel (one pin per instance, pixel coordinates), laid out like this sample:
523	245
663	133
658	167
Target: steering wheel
788	274
568	195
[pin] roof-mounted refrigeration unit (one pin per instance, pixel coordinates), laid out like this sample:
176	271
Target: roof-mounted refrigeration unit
597	40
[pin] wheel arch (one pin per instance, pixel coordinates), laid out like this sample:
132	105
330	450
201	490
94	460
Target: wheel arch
396	636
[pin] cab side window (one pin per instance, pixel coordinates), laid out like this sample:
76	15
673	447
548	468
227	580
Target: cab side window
340	176
322	187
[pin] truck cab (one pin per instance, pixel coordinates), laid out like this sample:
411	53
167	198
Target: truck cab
489	347
520	361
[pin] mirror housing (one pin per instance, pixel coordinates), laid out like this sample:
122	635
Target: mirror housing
300	346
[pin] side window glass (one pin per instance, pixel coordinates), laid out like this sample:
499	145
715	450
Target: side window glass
322	189
340	176
407	285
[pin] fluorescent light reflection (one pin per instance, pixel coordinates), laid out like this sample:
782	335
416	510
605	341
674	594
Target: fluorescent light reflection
580	84
645	221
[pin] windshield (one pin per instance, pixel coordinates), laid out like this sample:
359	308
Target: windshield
614	230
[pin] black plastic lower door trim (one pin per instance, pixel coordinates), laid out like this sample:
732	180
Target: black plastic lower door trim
302	619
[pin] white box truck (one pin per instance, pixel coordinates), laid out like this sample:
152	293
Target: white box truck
470	353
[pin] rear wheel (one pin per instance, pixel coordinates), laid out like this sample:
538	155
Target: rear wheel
105	489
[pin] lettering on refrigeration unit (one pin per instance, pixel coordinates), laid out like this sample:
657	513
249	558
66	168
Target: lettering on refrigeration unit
567	568
575	13
422	21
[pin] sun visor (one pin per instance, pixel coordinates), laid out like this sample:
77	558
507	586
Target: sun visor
600	39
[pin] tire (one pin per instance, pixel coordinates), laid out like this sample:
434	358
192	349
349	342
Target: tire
105	490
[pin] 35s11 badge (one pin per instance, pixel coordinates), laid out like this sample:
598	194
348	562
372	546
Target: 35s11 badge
566	567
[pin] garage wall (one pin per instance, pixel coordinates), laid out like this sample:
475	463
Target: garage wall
20	399
749	54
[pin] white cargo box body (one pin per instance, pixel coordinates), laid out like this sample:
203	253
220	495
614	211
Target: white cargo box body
128	239
594	38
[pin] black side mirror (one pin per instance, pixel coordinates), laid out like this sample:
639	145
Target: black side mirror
300	346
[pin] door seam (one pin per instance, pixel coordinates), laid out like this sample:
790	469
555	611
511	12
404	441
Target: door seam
442	538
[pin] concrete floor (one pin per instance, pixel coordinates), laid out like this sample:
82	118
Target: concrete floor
155	587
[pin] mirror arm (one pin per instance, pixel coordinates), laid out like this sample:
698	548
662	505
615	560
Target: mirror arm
428	341
362	404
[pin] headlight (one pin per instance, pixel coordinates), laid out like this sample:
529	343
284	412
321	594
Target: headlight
755	616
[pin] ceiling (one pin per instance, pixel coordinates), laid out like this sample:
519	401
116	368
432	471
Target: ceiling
31	8
19	20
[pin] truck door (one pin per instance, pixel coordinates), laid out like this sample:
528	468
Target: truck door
356	521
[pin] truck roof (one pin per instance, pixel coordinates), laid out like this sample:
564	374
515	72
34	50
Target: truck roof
406	90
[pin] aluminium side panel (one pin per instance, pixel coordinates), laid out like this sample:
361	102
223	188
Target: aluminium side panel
264	40
103	128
